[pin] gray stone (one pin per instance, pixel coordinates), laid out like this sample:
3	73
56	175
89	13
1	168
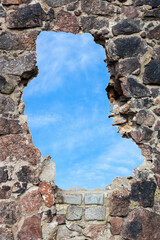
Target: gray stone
72	199
152	73
95	213
27	17
6	104
5	87
91	23
2	12
58	3
94	199
18	66
74	213
126	27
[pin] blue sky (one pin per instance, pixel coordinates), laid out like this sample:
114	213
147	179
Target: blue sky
68	110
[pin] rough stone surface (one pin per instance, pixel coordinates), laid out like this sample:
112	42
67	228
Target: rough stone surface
31	228
95	231
116	225
141	224
94	199
31	202
119	203
95	213
47	192
143	192
32	207
74	213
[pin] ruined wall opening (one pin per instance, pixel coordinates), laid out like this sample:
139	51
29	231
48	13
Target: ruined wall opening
68	110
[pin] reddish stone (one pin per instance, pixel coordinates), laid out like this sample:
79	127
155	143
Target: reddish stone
94	231
9	126
119	203
31	229
98	7
23	41
31	202
130	12
116	225
141	134
5	192
141	224
6	234
47	192
66	22
154	33
61	219
9	212
19	147
145	117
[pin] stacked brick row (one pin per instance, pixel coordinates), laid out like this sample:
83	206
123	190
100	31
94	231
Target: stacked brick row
31	206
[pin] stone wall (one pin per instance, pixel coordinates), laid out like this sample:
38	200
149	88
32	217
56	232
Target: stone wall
31	206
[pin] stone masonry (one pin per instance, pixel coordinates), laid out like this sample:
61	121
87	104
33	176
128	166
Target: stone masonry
32	207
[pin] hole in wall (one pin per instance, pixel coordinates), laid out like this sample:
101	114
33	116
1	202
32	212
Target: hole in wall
67	110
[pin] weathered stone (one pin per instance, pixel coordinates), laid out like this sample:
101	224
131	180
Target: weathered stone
74	227
143	192
72	199
97	7
130	11
24	41
15	2
9	212
5	87
46	190
152	14
31	202
6	233
95	231
2	12
48	171
126	67
6	104
91	23
155	92
31	229
157	111
131	88
116	225
64	233
125	48
126	27
95	213
19	188
20	66
3	174
74	213
157	126
27	17
5	192
152	73
9	126
94	198
119	203
145	117
152	3
154	33
141	134
66	22
25	150
58	3
26	175
61	219
141	224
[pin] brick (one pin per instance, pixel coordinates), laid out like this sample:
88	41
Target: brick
95	213
94	199
74	213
